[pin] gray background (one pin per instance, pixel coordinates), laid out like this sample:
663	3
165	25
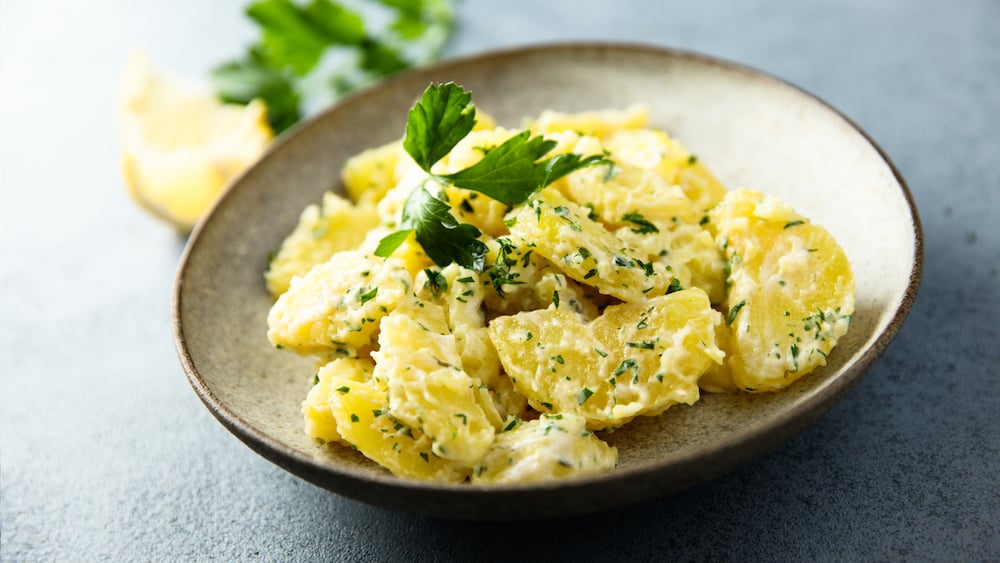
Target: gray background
106	453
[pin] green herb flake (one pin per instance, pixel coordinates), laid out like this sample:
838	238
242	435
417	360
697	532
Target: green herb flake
733	311
583	395
625	365
675	286
642	225
344	389
368	295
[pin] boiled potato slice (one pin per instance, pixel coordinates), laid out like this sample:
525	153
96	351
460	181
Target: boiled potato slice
654	150
617	192
688	252
322	232
791	290
319	419
461	291
552	447
361	413
635	359
599	123
368	175
428	389
335	309
519	279
561	232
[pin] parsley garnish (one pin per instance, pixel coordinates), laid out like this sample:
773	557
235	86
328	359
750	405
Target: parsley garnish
734	311
508	173
642	225
368	295
283	67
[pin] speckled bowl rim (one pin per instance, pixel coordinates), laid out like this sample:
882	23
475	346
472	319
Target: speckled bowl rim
684	469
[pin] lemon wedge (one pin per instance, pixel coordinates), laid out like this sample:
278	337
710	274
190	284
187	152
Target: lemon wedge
180	144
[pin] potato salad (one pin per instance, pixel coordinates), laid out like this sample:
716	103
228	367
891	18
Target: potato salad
483	302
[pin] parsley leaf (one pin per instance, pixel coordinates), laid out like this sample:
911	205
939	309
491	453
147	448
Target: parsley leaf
642	225
295	37
511	172
368	40
240	82
443	117
442	237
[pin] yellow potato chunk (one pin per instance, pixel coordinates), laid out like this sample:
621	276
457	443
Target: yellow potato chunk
616	192
688	252
552	447
599	123
368	175
791	290
519	279
335	309
461	292
361	413
562	233
428	389
635	359
654	150
319	420
322	232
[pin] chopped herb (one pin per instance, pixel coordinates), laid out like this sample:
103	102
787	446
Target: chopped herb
735	311
590	273
626	364
344	389
601	353
642	225
510	425
354	417
646	345
555	298
623	262
675	285
559	359
465	419
376	412
793	224
583	395
692	159
368	295
436	282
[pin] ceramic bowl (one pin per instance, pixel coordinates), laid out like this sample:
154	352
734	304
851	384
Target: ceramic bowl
751	129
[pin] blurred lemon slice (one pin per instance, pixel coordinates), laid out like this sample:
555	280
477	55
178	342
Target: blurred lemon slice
180	144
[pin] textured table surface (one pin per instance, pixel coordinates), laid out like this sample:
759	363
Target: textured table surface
107	454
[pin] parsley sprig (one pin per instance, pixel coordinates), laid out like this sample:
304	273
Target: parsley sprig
508	173
289	65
